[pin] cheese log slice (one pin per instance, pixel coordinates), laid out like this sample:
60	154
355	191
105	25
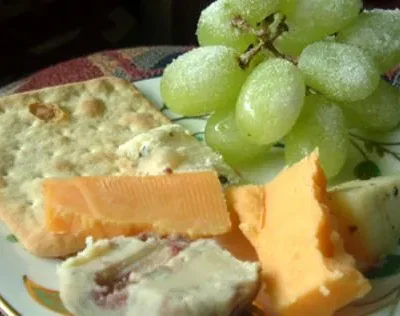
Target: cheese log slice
368	214
129	276
304	265
190	204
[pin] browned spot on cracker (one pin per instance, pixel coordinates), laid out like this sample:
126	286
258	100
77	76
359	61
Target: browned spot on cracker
93	107
3	182
142	121
64	165
48	112
65	140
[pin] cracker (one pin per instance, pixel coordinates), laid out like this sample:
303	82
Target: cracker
58	132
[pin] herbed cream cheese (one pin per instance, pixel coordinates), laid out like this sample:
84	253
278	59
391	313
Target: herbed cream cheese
170	148
130	276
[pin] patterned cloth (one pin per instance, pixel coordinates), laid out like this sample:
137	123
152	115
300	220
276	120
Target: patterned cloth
130	64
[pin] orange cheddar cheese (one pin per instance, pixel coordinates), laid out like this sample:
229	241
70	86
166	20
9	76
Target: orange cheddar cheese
190	204
235	241
305	267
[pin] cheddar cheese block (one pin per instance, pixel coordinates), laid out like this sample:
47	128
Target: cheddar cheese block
129	276
190	204
304	265
368	217
84	129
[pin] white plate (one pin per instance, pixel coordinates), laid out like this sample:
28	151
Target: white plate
28	284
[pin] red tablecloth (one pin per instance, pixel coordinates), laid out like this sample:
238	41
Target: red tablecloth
131	64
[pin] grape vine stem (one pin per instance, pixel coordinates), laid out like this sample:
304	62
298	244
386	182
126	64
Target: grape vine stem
241	24
246	57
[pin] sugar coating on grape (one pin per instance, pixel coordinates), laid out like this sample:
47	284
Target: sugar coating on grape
293	42
202	80
321	125
341	72
270	101
378	112
378	32
320	17
253	11
215	28
222	135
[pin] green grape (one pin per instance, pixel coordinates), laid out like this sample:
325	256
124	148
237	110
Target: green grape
270	101
378	112
221	134
313	20
378	33
321	16
214	28
339	71
202	80
253	11
293	42
260	57
320	125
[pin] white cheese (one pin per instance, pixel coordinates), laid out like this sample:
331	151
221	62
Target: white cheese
171	147
156	279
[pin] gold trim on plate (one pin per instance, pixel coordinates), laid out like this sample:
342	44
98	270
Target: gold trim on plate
6	308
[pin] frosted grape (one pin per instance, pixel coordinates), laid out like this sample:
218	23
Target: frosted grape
221	134
378	112
339	71
378	33
202	80
321	16
215	28
270	101
314	20
293	42
253	11
321	124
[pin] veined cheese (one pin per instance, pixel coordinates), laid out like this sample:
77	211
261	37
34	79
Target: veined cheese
368	214
304	265
128	276
190	204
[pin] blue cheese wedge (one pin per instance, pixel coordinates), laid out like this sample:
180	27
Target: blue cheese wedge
368	216
170	148
132	276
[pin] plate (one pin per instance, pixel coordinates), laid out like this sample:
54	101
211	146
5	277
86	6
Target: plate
28	284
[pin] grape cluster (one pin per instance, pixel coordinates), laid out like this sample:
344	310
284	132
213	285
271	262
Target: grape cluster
301	72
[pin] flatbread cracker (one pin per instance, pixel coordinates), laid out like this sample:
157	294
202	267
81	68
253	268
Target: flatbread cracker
98	127
63	131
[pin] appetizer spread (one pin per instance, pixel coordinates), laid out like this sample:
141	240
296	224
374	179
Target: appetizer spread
130	276
170	227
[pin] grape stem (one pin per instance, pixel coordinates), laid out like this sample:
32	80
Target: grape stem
247	56
241	24
265	37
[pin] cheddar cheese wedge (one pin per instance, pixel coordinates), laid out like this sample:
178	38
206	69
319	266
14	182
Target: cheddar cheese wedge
190	204
304	265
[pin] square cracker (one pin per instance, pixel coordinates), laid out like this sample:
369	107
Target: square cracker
58	132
